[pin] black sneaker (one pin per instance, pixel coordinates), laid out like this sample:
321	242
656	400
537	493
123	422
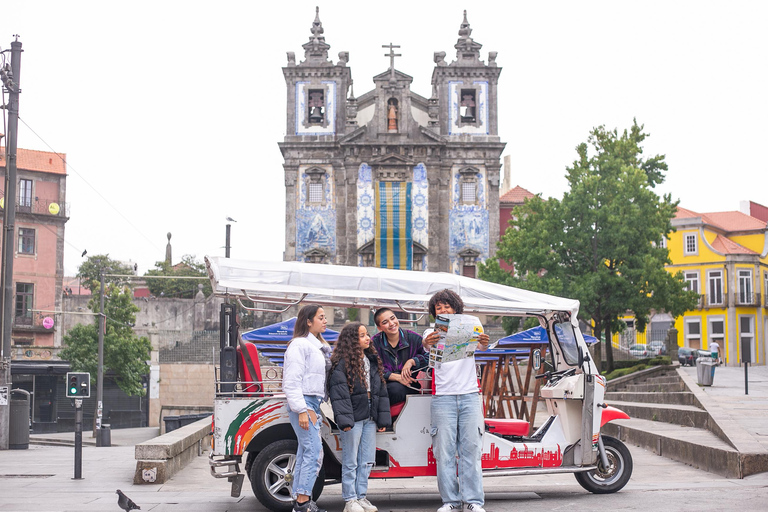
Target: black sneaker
309	506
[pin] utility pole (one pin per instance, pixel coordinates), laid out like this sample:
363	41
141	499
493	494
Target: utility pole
100	369
226	242
10	77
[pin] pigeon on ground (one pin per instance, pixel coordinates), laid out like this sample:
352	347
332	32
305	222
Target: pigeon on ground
126	503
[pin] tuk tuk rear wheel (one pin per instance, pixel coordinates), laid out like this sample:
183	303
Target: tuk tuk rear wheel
271	476
613	478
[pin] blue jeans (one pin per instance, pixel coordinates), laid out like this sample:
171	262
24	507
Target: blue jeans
309	456
457	429
358	454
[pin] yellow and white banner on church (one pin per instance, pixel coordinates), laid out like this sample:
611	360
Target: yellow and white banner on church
393	239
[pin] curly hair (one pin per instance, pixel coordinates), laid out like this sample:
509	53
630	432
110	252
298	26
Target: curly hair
348	348
449	297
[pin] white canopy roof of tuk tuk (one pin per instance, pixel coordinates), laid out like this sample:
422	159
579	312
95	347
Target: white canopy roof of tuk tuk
286	282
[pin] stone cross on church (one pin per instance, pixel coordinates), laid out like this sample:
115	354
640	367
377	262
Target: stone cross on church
392	178
392	56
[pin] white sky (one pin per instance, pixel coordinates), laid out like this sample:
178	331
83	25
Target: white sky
172	110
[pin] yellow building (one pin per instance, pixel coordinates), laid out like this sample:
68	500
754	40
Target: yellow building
723	256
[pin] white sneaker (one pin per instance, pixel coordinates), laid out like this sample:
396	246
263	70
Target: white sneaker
353	506
367	507
449	508
473	508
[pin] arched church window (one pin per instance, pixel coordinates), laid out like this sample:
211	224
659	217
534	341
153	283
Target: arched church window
392	111
468	106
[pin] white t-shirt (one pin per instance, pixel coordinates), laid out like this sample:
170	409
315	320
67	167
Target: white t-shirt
714	347
455	377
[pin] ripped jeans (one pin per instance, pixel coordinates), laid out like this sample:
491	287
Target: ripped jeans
358	452
457	437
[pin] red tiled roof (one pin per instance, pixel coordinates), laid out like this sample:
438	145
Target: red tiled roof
41	161
727	221
727	246
516	195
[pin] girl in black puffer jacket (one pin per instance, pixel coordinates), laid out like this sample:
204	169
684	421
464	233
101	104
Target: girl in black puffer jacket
360	407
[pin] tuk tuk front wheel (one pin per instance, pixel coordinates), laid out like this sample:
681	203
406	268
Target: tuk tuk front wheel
271	475
613	478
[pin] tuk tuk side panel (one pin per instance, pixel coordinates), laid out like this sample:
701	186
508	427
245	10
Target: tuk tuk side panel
597	414
500	453
237	421
409	444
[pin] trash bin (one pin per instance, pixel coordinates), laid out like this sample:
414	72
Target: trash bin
18	436
106	434
705	370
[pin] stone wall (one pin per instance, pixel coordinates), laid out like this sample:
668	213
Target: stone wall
187	387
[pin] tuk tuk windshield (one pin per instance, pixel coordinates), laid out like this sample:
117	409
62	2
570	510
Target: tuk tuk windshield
566	338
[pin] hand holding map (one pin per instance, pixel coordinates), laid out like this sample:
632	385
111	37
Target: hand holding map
457	338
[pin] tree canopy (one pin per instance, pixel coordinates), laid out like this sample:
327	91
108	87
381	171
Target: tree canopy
125	354
600	243
89	270
179	288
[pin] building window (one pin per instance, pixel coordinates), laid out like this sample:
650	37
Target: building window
692	278
26	241
468	192
717	332
316	106
469	271
745	287
315	192
468	186
25	195
663	242
715	284
468	106
693	332
690	242
24	296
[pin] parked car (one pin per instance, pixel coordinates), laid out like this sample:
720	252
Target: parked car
688	356
657	348
639	350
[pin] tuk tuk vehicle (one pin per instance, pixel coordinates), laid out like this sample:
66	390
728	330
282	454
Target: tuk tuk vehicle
252	434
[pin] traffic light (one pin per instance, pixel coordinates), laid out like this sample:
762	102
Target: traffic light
78	385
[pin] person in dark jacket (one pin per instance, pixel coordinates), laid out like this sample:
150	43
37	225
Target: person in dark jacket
360	407
402	354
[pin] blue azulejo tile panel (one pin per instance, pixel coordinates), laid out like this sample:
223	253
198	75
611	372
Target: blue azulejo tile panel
468	229
366	219
315	229
420	206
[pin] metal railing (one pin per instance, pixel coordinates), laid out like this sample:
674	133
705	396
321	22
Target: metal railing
42	207
747	299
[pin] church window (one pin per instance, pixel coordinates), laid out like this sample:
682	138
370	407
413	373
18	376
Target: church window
316	106
468	192
315	192
468	186
468	106
315	183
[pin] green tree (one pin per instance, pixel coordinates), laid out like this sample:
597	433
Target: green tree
125	354
179	288
89	270
600	243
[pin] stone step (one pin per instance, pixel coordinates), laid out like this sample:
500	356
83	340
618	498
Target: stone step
671	379
695	446
685	415
676	397
653	388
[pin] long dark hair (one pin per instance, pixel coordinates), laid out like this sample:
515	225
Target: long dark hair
348	348
306	314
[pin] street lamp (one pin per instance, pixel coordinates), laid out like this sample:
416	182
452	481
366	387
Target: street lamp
226	243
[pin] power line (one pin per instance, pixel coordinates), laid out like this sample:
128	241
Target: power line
68	166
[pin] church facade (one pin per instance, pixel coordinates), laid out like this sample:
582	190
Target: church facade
390	178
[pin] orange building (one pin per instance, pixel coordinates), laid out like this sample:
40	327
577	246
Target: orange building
507	202
38	264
